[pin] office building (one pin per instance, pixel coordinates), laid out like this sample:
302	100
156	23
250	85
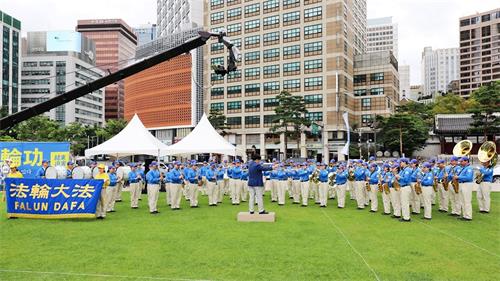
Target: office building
174	16
115	47
439	68
404	82
479	50
382	35
304	47
145	33
9	66
57	62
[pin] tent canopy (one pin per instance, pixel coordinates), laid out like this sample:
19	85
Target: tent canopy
203	139
134	139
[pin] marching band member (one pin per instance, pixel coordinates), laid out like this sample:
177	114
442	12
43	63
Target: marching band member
221	183
372	177
69	169
426	179
364	189
141	168
191	174
244	183
440	175
176	186
236	183
465	179
386	198
296	184
168	182
332	168
203	169
211	176
350	183
323	186
120	182
341	180
111	190
395	193
40	173
313	186
414	197
304	184
359	184
289	173
274	184
101	204
453	170
434	169
484	188
404	179
153	179
282	183
134	178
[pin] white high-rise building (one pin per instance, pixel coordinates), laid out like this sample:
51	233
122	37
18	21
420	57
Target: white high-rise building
404	82
382	35
145	33
9	66
177	15
439	68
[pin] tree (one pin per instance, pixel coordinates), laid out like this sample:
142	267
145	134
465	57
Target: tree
217	119
402	132
450	104
421	110
487	103
111	128
38	128
290	117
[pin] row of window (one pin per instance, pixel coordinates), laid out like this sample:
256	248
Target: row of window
35	64
254	121
268	5
292	34
254	9
371	92
374	77
312	48
268	103
254	73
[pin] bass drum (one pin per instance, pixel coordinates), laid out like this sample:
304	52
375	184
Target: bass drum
126	170
78	173
95	171
87	173
61	172
51	173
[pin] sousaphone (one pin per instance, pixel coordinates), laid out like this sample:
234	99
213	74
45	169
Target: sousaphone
461	149
487	154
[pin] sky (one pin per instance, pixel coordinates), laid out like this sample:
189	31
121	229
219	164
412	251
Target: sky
421	22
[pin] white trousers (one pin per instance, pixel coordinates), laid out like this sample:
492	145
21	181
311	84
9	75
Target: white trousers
427	192
212	193
118	191
314	191
304	190
193	194
221	187
331	191
341	195
405	201
110	198
373	197
153	192
465	195
323	193
176	195
296	191
415	200
100	210
352	189
168	192
267	185
386	201
281	190
483	196
454	200
135	193
396	201
256	192
444	199
235	191
244	190
359	187
274	190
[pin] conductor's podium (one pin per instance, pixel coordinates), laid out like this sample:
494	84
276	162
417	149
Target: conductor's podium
256	217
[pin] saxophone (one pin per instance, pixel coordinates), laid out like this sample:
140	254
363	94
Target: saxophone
368	187
418	188
395	184
435	184
331	178
350	176
380	185
314	177
454	182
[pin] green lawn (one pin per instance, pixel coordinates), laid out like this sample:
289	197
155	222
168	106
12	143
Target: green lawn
207	243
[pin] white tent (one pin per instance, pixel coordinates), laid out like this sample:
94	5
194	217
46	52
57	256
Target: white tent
134	139
203	139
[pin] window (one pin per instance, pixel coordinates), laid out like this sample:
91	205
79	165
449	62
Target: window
252	40
291	51
252	73
252	25
271	87
252	89
30	64
234	75
291	68
291	18
234	13
216	47
252	57
217	106
270	103
269	120
233	122
234	90
313	48
271	6
291	34
271	54
312	31
216	3
377	76
271	38
217	92
292	85
217	61
313	83
313	100
366	119
366	104
287	4
237	42
252	121
377	91
359	78
46	63
217	17
271	71
314	116
233	105
35	82
313	13
252	104
253	9
311	66
270	22
234	28
360	92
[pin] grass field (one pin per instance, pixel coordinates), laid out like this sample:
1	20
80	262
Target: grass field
208	244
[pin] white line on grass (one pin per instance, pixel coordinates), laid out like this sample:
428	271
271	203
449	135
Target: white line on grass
352	247
98	275
463	240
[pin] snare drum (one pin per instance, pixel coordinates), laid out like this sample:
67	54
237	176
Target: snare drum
51	173
78	173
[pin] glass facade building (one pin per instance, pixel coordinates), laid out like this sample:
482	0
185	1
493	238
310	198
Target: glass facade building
10	50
